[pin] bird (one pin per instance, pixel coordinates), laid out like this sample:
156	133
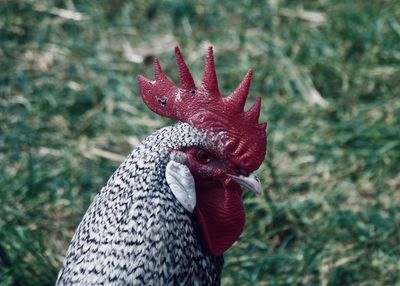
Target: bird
174	206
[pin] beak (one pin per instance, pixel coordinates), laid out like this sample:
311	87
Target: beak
251	182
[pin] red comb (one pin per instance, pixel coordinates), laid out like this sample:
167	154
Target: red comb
205	109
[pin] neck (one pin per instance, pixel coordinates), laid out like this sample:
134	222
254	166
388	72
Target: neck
135	228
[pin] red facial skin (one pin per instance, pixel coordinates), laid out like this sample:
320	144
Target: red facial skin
219	211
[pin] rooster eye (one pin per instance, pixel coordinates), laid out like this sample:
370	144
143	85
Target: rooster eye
203	157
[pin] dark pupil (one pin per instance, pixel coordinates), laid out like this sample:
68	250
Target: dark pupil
203	156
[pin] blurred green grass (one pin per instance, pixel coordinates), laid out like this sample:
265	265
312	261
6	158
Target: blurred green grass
328	72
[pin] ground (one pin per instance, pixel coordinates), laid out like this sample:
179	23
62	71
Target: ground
328	72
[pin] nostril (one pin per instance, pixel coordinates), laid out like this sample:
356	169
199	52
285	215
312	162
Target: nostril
242	172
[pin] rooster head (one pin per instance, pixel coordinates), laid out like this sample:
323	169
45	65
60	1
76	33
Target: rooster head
207	180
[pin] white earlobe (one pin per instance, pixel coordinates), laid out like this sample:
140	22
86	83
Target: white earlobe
182	185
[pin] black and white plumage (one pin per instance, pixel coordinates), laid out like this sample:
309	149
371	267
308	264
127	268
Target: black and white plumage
135	232
173	207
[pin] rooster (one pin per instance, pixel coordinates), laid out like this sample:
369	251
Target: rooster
168	213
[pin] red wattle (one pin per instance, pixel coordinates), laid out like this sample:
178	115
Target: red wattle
220	215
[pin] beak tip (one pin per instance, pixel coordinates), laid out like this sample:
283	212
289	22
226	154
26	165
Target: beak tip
251	182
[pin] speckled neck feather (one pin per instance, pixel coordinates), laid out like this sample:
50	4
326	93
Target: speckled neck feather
135	232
